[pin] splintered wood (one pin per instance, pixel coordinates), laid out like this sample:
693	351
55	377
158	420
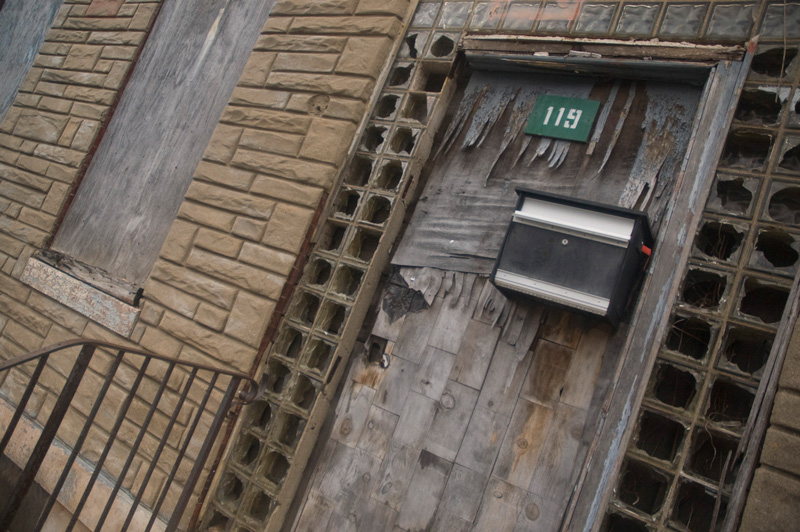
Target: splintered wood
480	422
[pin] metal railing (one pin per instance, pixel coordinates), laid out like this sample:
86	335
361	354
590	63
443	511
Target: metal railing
135	377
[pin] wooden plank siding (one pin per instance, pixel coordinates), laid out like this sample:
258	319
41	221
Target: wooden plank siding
476	424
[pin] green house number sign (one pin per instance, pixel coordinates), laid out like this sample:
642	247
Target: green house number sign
562	118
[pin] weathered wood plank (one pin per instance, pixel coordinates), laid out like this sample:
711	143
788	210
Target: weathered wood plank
523	444
352	412
415	420
547	376
462	494
558	466
504	379
584	368
447	522
501	506
433	371
452	322
482	440
417	327
563	327
347	470
377	433
475	354
395	474
316	513
491	303
396	385
424	492
387	328
450	421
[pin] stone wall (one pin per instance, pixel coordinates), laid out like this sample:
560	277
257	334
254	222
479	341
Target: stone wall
271	163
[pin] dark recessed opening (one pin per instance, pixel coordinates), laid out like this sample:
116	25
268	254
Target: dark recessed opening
776	247
319	272
360	170
390	175
290	343
729	404
247	449
442	46
758	107
689	336
387	105
275	467
694	507
230	488
363	245
790	160
773	63
733	195
377	210
746	149
718	240
411	43
703	289
304	393
708	455
347	203
347	280
403	141
620	523
660	437
277	374
416	108
748	350
218	520
259	415
673	386
332	318
642	487
400	75
763	302
784	206
333	237
260	507
434	82
374	137
306	307
290	429
319	355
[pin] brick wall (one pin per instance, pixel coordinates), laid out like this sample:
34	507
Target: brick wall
272	161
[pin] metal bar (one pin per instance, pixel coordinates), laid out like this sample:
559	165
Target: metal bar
199	462
111	437
27	477
23	402
182	452
135	447
160	448
81	438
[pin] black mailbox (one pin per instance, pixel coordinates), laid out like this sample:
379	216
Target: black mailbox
574	253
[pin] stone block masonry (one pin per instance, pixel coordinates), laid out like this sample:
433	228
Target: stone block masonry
273	158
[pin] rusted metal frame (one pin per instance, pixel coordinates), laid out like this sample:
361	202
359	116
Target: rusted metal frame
160	449
111	440
181	454
47	436
22	359
139	437
205	450
12	425
81	438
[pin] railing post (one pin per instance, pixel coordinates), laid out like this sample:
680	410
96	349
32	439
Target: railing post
48	434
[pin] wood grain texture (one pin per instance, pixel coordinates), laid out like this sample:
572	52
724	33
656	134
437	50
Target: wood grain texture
137	179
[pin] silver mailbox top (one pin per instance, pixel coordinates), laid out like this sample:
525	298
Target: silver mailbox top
576	219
